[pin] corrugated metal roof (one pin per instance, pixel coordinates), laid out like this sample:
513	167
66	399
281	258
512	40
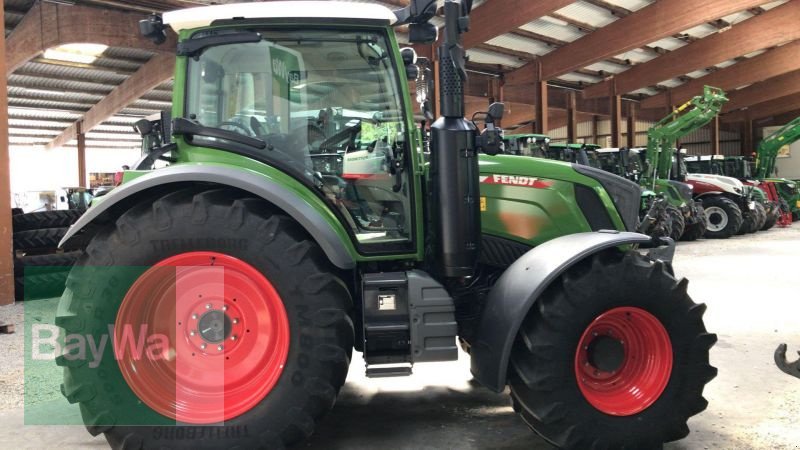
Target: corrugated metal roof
521	44
486	57
606	67
70	72
575	77
53	83
668	43
588	13
631	5
554	28
701	31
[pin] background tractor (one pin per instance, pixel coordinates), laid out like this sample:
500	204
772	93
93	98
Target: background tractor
788	193
298	221
733	174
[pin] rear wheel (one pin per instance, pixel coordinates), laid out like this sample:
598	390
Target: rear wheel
749	221
677	224
256	323
697	228
773	214
599	365
762	216
724	218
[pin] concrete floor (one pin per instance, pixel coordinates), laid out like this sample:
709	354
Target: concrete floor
748	284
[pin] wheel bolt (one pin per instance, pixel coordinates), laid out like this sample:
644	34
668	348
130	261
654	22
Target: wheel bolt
224	307
203	346
194	316
208	305
191	333
219	347
594	333
233	338
235	321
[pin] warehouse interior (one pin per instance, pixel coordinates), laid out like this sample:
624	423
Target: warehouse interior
78	76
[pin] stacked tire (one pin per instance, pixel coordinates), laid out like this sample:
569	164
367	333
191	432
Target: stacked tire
40	269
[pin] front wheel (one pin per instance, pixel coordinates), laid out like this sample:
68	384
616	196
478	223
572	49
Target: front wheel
724	218
677	223
245	327
597	364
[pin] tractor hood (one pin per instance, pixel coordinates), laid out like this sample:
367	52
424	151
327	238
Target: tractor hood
725	184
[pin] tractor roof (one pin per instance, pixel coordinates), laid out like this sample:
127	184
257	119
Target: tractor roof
204	16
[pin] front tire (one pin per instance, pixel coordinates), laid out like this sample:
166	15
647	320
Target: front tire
563	375
677	224
197	232
724	218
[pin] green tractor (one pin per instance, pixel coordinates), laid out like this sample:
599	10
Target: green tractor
298	221
577	159
788	192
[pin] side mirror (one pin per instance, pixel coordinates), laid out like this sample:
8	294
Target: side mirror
495	112
417	11
144	127
422	33
153	28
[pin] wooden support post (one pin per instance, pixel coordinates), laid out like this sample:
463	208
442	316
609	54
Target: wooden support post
632	113
6	255
81	137
616	120
747	138
714	126
540	88
572	118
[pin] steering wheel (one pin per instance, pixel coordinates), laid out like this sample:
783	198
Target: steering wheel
230	123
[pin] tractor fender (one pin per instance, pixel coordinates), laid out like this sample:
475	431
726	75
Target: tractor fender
517	290
280	196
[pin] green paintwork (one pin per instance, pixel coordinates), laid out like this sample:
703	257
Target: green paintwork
525	214
767	154
534	215
663	136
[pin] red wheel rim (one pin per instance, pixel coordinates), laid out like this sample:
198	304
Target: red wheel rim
623	361
227	334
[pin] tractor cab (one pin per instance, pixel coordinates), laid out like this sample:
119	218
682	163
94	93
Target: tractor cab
325	104
536	145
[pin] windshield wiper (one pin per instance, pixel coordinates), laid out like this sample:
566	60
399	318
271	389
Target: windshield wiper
183	126
193	47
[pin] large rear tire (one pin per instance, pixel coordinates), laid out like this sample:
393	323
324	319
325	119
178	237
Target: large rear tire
724	218
576	371
286	334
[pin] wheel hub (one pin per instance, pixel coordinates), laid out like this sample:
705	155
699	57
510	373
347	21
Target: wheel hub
623	361
606	353
228	337
214	326
717	218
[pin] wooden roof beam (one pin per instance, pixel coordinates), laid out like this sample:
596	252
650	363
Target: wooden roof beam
154	72
763	91
497	17
752	70
773	27
765	109
649	24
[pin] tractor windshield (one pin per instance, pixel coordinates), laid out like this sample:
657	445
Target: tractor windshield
324	101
